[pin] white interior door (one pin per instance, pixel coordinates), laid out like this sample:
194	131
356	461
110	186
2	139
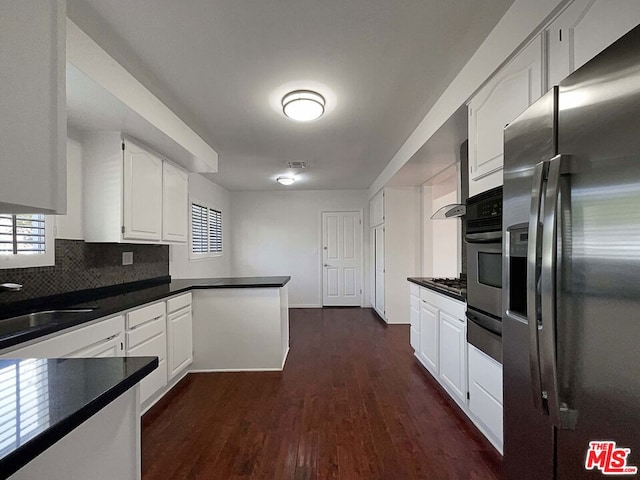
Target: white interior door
341	258
379	270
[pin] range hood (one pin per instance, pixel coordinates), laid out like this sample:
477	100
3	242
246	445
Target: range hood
452	210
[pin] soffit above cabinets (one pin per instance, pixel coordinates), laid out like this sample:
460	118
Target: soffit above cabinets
103	96
437	154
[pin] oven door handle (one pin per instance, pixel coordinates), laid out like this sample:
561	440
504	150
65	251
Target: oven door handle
484	237
534	253
489	323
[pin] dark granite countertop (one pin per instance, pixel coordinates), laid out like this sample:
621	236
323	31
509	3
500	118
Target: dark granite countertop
425	282
56	407
108	301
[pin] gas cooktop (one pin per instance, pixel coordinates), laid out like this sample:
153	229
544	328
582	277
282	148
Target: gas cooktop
455	285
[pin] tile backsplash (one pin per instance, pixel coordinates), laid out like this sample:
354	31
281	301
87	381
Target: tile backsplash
81	266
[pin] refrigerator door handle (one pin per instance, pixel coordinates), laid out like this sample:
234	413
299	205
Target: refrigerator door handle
533	296
558	412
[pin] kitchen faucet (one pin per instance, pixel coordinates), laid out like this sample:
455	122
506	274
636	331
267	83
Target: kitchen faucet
10	287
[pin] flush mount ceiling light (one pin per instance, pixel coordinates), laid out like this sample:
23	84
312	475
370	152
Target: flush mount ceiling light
286	180
303	105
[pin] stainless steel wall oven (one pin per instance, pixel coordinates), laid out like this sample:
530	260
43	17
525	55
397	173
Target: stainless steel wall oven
483	240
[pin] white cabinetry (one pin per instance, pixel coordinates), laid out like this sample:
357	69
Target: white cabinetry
471	378
131	194
179	334
395	237
485	395
493	107
103	338
414	308
175	199
442	346
584	29
33	121
142	195
453	355
146	336
429	337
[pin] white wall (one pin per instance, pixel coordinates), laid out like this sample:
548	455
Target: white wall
279	233
217	197
402	249
69	226
441	238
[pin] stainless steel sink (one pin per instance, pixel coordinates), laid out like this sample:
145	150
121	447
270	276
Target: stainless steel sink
40	319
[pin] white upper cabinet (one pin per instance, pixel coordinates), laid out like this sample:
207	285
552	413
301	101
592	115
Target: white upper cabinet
142	193
33	121
175	200
376	209
584	29
131	195
493	107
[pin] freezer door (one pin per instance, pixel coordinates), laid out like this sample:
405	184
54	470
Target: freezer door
597	273
528	434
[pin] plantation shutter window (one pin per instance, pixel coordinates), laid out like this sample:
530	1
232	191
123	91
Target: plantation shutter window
206	231
22	234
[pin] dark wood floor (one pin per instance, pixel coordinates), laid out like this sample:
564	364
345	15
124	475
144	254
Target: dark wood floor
352	403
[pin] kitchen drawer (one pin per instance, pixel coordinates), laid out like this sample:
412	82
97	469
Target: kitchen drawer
414	289
154	347
176	303
485	372
487	409
144	332
145	314
70	343
154	381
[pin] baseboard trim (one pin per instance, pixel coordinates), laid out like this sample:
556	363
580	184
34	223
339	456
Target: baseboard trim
284	360
165	390
235	370
305	305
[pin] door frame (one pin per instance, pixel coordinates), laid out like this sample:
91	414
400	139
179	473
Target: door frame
360	211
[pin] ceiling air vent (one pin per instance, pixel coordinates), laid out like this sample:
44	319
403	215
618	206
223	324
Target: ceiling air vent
298	165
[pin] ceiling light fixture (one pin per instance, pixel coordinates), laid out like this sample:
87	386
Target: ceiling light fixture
303	105
286	180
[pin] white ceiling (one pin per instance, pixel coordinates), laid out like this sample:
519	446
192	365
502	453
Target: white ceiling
224	65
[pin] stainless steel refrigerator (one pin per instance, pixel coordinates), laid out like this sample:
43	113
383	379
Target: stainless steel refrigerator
571	275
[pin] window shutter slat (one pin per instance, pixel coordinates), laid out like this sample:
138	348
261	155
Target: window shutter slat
22	234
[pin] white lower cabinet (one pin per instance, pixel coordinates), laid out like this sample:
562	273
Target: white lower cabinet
429	337
146	334
485	395
414	316
103	338
453	356
179	334
162	329
470	377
